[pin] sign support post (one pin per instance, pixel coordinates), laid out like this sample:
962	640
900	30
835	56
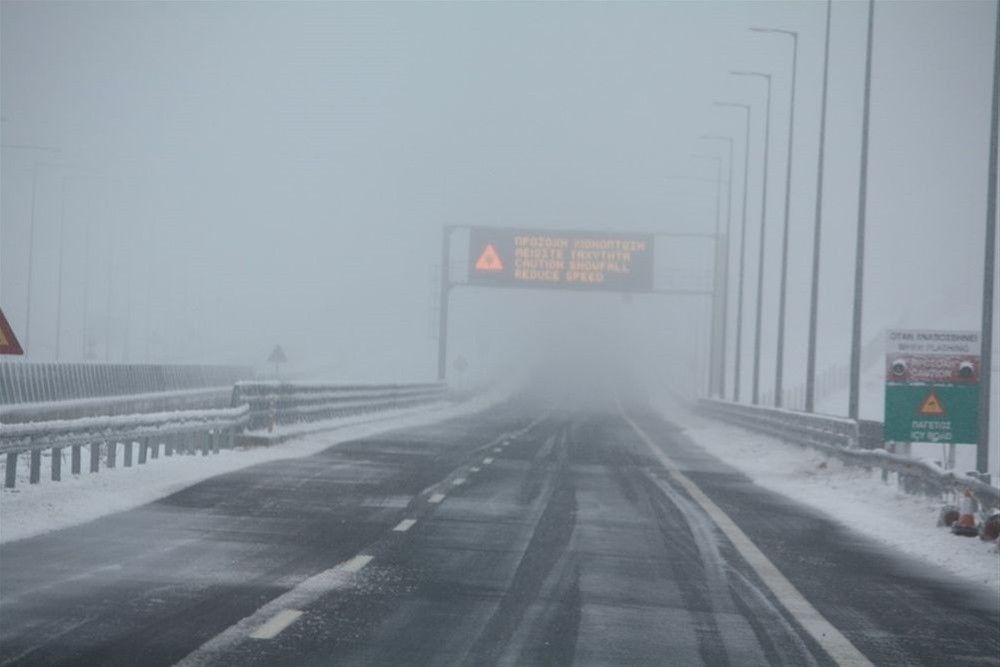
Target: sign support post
442	368
986	354
571	260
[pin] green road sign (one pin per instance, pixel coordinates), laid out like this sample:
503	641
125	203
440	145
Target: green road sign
931	413
932	386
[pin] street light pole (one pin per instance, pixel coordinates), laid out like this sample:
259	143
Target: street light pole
817	231
725	264
859	253
34	177
62	246
763	235
737	365
986	352
31	255
714	344
780	358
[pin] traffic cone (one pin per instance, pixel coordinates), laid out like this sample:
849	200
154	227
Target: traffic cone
948	516
991	528
966	524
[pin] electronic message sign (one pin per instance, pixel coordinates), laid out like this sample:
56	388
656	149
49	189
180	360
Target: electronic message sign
932	386
615	262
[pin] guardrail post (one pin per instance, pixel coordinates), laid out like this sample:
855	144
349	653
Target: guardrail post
128	453
10	475
230	438
112	453
206	443
143	450
35	468
215	441
57	464
74	460
168	446
154	452
95	456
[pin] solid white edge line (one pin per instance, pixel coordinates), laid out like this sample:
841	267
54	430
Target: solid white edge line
276	624
404	525
839	647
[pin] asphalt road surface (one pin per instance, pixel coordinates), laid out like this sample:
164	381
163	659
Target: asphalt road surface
521	536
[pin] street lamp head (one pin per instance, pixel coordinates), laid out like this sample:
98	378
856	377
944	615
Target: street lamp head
746	73
781	31
731	104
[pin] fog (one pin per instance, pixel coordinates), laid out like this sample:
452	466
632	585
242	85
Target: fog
207	180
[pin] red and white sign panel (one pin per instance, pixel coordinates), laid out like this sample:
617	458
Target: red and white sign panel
8	341
932	369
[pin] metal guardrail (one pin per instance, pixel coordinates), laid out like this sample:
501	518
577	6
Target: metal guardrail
273	403
852	442
27	382
180	431
168	401
254	405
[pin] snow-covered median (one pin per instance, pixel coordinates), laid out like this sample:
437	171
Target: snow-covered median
851	496
30	510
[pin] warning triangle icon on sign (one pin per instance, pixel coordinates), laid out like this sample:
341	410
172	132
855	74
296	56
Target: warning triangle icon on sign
489	260
932	405
8	341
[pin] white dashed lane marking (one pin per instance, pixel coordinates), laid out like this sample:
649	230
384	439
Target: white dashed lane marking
404	525
436	498
459	481
488	460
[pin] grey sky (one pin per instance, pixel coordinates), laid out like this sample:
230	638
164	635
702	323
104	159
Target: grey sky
252	173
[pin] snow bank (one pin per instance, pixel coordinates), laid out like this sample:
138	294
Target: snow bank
29	510
850	496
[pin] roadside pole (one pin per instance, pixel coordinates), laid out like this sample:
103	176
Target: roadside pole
853	401
986	354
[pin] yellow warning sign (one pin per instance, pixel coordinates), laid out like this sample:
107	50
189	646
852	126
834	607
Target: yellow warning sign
932	405
489	260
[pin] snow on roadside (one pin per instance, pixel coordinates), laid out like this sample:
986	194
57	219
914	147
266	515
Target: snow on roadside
850	496
30	510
